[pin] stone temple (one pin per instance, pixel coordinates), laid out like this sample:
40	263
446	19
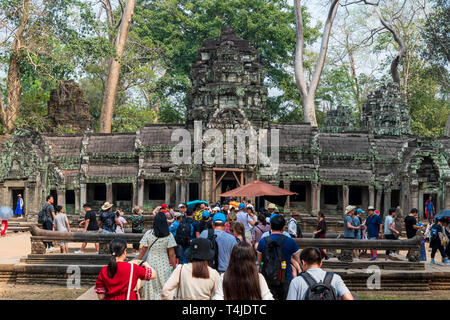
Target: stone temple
377	162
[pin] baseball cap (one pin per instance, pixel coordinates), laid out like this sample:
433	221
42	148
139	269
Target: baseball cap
205	214
216	209
219	217
241	206
273	215
163	206
181	205
371	208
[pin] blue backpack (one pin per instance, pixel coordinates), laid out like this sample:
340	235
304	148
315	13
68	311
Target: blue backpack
434	232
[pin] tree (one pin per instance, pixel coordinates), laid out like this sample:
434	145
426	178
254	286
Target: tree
42	43
436	35
14	87
114	68
308	91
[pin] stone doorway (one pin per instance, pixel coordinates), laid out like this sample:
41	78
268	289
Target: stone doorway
424	200
14	194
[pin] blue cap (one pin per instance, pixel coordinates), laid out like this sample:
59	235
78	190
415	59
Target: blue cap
219	216
241	206
206	214
273	215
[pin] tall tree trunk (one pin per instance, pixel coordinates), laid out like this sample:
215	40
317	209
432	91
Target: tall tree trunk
114	70
308	92
14	87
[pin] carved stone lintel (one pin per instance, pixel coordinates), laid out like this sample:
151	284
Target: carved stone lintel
37	247
345	256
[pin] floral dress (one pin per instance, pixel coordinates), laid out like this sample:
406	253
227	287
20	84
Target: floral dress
158	259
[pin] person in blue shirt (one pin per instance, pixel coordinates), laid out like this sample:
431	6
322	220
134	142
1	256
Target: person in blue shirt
429	209
225	241
374	229
290	252
174	226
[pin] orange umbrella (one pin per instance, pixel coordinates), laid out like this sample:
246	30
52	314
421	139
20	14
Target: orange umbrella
257	189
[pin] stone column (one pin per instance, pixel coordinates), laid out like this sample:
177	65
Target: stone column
345	198
182	192
140	193
387	201
177	191
378	199
207	184
447	195
372	196
82	194
134	198
109	193
187	192
287	186
167	200
77	202
61	193
315	198
421	204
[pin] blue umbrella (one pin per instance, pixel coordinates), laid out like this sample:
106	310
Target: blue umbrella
192	204
445	213
5	213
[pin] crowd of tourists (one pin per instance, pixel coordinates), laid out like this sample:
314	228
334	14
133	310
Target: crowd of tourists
218	252
228	251
358	225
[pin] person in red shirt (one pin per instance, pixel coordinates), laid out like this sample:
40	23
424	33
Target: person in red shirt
118	280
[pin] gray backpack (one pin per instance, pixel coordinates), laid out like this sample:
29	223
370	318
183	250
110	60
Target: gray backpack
319	290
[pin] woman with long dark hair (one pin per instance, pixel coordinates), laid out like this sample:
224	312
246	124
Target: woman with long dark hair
239	232
194	280
160	244
242	281
117	280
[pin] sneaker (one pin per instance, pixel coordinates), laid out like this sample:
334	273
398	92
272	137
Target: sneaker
445	261
326	257
432	261
79	251
356	260
373	259
96	252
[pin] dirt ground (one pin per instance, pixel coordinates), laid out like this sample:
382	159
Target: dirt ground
38	292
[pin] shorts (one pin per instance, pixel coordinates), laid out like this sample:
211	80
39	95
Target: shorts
107	231
63	244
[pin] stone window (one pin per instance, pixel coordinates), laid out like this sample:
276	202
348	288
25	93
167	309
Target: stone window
193	191
157	191
300	188
70	197
123	191
355	196
395	198
99	192
330	195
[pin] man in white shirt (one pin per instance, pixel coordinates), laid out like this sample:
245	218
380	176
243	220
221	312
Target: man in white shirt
311	263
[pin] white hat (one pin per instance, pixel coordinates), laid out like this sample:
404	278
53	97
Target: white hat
216	209
106	206
177	214
349	209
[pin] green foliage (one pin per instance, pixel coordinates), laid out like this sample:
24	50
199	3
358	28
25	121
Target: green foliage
178	28
131	116
436	33
428	102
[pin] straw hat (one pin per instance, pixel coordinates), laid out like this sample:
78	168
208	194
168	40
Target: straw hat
272	206
349	209
106	206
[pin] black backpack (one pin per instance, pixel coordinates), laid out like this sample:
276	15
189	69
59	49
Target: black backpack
184	234
214	263
272	259
43	214
298	231
319	290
